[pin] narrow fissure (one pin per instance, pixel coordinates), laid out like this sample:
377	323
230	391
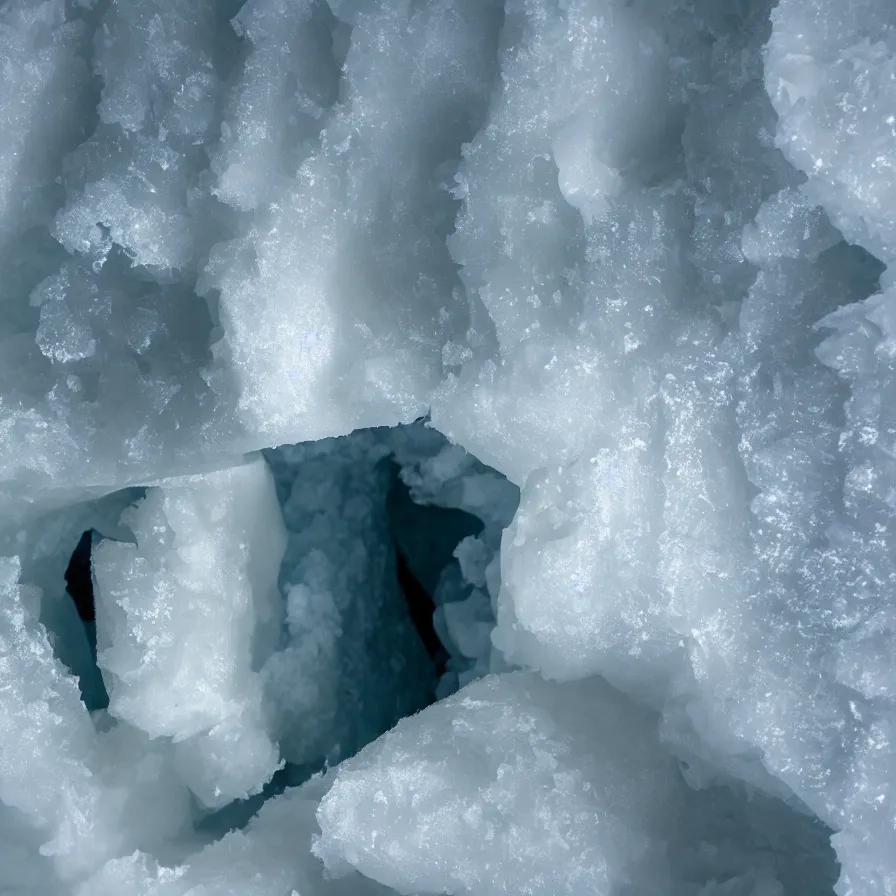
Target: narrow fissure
80	589
79	581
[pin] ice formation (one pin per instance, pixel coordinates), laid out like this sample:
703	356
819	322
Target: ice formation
446	447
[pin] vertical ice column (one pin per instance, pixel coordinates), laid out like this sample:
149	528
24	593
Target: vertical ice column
138	176
831	74
352	664
43	82
335	302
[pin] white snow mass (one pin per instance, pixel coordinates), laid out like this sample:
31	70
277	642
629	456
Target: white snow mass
447	447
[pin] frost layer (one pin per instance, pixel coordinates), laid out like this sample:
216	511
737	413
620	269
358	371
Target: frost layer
631	254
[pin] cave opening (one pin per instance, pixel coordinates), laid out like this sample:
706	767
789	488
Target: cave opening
374	521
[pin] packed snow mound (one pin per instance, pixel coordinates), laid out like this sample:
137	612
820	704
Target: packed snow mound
509	785
502	754
446	447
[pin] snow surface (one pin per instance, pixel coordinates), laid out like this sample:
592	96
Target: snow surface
629	260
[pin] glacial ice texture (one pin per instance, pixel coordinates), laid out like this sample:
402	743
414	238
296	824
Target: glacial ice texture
447	447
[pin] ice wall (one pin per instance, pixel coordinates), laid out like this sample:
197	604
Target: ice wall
349	663
631	258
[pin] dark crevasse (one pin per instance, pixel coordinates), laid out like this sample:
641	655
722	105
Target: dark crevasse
372	525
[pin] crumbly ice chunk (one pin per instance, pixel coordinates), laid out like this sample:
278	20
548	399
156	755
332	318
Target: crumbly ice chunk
46	83
185	617
135	183
78	793
271	857
439	474
831	74
506	785
509	784
269	125
48	740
